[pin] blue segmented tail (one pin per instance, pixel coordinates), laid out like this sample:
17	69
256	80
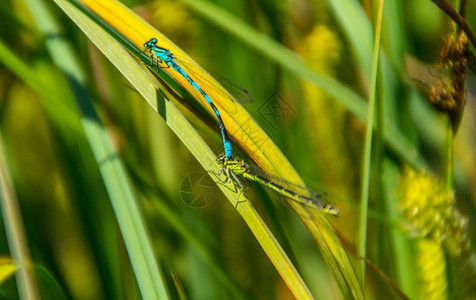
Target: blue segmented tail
164	55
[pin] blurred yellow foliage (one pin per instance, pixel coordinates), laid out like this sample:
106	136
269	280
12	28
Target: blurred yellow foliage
330	137
174	21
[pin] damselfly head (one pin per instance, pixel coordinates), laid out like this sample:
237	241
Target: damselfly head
151	43
221	159
332	210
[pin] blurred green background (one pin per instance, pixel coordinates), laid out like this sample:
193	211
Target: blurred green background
75	243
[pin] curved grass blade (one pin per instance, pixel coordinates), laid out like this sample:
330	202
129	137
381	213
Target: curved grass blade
49	287
133	33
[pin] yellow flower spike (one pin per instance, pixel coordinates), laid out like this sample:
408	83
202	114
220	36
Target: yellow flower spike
430	212
245	132
431	215
431	270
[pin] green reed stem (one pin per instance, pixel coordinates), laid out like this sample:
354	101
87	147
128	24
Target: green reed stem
449	155
368	145
450	134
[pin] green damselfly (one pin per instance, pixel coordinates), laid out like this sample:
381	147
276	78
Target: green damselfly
233	167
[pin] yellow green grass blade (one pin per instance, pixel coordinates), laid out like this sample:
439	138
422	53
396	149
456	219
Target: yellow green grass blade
159	98
125	205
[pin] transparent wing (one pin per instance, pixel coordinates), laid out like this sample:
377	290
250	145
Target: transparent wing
237	91
201	76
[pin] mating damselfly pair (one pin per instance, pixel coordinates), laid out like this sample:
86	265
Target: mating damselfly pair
164	58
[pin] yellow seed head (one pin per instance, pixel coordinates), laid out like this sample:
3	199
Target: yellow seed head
430	212
431	270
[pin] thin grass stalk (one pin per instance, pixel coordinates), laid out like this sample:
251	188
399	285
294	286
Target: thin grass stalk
450	158
15	232
450	131
395	46
368	145
379	162
449	142
449	146
179	286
